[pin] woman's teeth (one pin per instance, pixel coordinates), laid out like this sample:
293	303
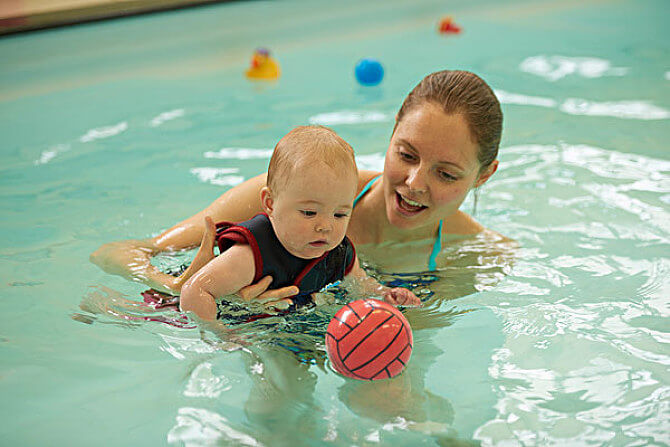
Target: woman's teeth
409	205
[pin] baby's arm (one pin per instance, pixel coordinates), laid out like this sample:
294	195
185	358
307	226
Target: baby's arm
359	282
224	275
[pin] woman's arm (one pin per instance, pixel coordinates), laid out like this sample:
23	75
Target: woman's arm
360	283
132	258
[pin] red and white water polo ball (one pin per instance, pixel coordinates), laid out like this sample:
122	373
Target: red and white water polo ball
369	340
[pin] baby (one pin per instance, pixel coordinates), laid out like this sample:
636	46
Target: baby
300	239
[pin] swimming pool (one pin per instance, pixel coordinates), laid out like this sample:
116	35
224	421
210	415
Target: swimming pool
119	129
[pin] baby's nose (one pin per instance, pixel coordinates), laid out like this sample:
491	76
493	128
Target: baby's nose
323	226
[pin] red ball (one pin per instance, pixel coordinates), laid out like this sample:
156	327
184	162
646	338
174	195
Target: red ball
369	340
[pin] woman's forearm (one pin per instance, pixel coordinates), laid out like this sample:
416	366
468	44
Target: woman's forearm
131	259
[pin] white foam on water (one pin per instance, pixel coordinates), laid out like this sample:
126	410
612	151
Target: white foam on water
218	176
104	132
51	153
239	153
553	68
642	110
373	162
350	117
198	426
167	116
516	98
204	383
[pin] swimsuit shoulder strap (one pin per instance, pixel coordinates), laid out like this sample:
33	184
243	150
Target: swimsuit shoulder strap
437	245
365	189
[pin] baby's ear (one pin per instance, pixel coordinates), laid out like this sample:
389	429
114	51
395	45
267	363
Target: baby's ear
266	200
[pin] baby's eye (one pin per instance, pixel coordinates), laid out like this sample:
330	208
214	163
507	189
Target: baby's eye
341	215
308	213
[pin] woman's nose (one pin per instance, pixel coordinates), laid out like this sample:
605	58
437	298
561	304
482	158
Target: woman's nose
416	179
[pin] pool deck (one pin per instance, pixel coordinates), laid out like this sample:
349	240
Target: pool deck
26	15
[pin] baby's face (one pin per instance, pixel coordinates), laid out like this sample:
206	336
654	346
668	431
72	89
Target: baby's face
311	212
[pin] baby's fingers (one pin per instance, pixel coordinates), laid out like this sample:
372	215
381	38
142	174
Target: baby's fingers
210	230
282	304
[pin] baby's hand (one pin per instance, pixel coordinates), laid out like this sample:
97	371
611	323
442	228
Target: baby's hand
204	255
399	296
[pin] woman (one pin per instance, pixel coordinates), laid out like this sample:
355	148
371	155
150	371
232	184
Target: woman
444	144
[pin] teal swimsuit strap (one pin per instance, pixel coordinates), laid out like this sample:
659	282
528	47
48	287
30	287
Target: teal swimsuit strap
437	245
365	190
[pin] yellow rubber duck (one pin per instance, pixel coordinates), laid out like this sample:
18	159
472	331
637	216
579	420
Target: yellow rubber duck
263	66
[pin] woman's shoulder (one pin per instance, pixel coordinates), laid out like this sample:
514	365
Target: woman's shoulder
365	176
462	224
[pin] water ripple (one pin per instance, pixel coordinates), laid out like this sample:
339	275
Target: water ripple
204	383
218	176
641	110
104	132
166	116
553	68
239	153
198	426
350	117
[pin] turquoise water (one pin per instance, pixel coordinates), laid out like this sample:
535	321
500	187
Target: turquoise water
119	129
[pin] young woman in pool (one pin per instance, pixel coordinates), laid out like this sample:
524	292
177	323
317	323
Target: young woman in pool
444	144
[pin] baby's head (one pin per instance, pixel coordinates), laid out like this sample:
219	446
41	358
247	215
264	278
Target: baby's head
311	185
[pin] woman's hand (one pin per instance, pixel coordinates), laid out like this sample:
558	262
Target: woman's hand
275	298
132	259
399	296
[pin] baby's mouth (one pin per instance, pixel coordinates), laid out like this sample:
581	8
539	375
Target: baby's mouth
319	243
407	205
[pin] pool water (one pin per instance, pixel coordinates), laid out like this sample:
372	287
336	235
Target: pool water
119	129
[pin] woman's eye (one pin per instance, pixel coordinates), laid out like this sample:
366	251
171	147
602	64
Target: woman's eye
406	156
308	213
446	176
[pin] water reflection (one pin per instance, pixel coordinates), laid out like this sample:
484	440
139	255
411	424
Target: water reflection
199	426
553	68
285	380
104	132
573	345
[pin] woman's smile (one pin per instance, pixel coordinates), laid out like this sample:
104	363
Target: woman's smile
407	206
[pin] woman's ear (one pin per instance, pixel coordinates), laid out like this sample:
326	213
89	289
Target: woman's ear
267	202
486	173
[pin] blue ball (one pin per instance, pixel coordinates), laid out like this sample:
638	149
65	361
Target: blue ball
369	71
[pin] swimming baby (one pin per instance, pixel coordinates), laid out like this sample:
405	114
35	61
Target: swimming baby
300	238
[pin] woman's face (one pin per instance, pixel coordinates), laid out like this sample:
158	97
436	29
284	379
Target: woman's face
430	166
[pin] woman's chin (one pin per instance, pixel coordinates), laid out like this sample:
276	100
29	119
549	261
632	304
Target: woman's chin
406	221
